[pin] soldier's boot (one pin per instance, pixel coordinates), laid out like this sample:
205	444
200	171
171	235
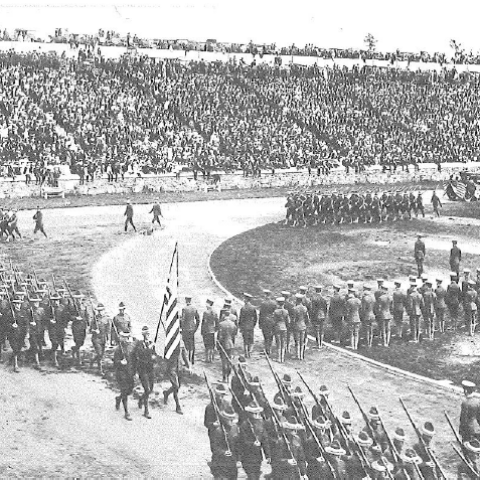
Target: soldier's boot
15	363
37	361
125	407
146	412
55	359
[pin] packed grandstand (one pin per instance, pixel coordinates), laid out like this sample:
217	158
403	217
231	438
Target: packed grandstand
101	115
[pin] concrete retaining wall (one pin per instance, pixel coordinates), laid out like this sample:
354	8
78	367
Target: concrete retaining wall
291	178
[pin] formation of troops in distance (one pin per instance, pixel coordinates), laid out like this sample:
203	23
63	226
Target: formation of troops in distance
314	208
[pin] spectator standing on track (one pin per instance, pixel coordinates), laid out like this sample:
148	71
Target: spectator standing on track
436	202
38	217
129	214
157	212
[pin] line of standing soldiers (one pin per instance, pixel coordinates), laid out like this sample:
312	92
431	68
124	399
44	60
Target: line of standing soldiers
246	429
313	208
406	314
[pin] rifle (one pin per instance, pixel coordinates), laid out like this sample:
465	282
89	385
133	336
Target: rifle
228	453
370	432
466	462
71	296
11	308
319	444
310	391
257	441
427	449
453	429
396	456
338	423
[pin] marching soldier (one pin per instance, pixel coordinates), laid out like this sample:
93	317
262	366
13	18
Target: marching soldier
379	436
210	420
4	317
17	331
265	320
80	322
290	468
453	298
144	360
420	207
440	305
281	321
319	314
337	455
464	283
246	323
225	440
469	413
427	467
411	463
455	258
300	321
399	301
208	331
227	330
253	441
189	323
471	451
419	253
100	328
59	318
367	313
36	329
121	323
124	371
174	373
317	467
240	388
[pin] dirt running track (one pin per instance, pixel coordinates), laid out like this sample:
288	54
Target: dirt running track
60	429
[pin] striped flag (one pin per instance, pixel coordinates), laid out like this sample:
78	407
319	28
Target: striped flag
457	187
171	322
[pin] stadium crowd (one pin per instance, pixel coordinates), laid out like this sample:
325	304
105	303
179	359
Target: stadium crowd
142	115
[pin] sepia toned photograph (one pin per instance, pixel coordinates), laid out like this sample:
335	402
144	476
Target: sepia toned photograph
240	240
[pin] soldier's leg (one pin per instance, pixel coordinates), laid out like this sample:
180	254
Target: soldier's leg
54	352
15	356
388	332
126	224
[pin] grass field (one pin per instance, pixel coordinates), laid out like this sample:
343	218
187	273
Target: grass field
282	258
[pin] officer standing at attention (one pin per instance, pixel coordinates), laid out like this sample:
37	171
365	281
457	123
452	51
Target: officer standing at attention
419	254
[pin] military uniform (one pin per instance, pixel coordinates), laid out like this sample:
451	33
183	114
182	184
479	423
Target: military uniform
470	413
399	301
227	330
352	308
281	320
455	258
174	367
367	315
336	313
17	331
265	320
415	304
440	305
299	326
36	320
419	255
101	328
246	322
452	300
319	310
429	310
121	323
125	373
208	330
129	214
144	360
189	323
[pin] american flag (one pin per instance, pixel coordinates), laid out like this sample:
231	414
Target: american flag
171	323
459	188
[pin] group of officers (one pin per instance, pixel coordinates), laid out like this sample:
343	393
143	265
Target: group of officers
353	314
32	313
246	429
314	208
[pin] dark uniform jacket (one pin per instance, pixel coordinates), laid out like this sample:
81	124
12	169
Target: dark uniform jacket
190	320
265	318
248	317
227	331
337	306
143	355
209	322
469	417
319	308
454	295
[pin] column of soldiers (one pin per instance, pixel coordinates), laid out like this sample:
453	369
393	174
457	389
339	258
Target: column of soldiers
247	430
314	208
